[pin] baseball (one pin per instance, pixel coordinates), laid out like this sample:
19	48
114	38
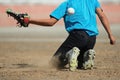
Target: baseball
70	11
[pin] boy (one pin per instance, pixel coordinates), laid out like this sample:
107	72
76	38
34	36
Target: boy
77	49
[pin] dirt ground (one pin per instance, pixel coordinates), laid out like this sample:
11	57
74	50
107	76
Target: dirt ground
25	55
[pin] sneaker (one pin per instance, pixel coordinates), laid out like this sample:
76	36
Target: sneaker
89	59
72	58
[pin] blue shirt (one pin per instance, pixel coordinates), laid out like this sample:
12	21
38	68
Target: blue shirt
84	17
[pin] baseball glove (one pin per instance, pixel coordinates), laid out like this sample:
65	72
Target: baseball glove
22	19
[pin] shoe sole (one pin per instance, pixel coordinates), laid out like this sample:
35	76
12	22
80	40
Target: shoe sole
73	63
89	59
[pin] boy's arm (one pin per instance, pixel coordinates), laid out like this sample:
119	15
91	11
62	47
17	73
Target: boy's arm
24	19
43	22
105	24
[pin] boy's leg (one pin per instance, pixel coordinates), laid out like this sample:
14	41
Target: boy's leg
80	59
90	45
77	38
59	58
74	39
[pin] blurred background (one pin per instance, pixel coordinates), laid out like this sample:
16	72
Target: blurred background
46	1
41	9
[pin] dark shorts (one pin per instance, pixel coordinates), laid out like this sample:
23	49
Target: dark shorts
76	38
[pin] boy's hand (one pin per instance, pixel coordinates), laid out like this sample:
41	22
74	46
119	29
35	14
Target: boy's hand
112	39
22	19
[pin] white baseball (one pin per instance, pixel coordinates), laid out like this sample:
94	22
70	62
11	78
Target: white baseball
70	11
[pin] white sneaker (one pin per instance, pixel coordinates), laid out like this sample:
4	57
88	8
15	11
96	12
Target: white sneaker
89	59
72	58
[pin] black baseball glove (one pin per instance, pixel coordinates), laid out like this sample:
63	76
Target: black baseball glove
22	19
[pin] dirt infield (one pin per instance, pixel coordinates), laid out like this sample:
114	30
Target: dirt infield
25	54
30	61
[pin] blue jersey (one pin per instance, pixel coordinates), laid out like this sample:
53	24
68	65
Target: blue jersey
84	17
